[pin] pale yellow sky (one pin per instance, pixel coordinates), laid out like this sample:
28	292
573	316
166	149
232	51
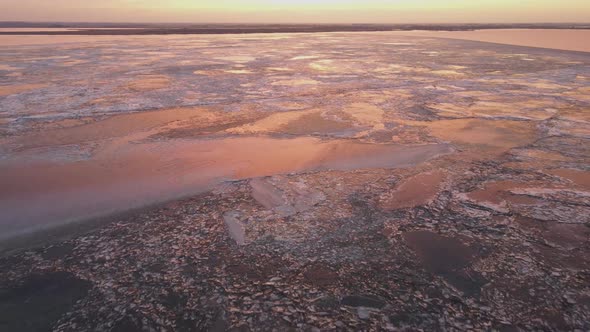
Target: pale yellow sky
298	11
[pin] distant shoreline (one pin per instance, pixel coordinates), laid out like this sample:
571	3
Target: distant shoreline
188	29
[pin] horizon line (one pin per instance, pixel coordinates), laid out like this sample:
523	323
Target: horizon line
285	23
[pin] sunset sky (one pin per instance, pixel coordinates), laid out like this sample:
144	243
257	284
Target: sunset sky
298	11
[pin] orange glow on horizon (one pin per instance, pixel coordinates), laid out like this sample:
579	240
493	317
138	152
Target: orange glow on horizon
295	11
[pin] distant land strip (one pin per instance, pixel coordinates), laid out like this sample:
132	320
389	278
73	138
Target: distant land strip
169	29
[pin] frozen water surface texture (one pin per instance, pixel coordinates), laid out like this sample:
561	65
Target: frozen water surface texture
331	181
